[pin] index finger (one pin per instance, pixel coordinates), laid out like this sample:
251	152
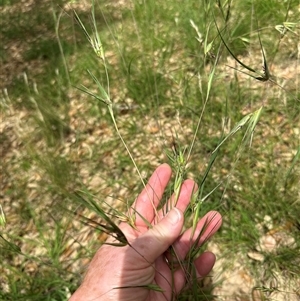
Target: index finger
146	203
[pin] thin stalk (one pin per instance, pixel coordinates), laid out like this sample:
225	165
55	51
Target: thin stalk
57	22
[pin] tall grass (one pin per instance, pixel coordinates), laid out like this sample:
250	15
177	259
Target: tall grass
166	77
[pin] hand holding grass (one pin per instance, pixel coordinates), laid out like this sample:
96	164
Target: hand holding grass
147	268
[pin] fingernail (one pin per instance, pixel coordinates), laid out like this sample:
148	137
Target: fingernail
174	216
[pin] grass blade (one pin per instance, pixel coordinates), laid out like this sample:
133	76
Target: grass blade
111	228
295	160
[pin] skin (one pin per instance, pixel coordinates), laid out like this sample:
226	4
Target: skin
121	273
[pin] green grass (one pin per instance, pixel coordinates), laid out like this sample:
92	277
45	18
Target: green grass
56	140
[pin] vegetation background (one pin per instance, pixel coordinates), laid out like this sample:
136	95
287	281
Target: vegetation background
168	72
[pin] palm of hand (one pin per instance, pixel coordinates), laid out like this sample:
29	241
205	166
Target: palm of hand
141	270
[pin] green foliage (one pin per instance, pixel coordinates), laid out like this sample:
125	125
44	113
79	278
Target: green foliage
162	81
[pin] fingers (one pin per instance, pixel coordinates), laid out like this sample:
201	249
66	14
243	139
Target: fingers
188	187
206	227
203	264
147	201
157	240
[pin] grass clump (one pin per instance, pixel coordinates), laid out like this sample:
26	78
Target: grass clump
169	78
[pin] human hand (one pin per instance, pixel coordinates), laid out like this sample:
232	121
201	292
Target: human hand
127	273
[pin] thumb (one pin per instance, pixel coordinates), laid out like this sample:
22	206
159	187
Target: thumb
156	240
